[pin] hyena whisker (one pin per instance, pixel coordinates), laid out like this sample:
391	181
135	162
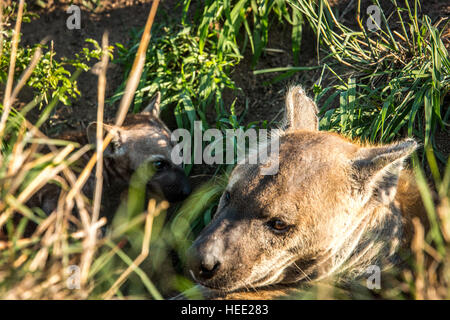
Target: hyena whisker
301	270
268	279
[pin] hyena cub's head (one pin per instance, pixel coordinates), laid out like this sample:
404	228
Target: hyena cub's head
144	139
305	221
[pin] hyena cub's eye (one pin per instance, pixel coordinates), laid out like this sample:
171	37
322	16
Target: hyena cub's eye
160	164
278	226
226	197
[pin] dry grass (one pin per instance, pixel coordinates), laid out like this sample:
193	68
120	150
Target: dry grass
35	266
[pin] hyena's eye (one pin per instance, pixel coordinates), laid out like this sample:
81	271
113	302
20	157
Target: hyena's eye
227	197
159	165
278	225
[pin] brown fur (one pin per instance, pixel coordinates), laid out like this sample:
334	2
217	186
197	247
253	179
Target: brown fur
411	205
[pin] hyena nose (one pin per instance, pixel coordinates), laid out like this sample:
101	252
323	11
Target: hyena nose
186	190
204	265
209	267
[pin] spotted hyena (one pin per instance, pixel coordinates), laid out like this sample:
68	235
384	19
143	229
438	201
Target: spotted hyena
142	139
334	208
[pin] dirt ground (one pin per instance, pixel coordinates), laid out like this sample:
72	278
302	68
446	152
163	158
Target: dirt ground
118	17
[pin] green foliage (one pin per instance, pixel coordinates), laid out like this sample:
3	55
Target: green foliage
10	16
394	84
187	77
225	20
50	77
91	4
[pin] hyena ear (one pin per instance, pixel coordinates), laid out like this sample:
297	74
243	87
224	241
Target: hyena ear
377	169
301	111
114	147
154	106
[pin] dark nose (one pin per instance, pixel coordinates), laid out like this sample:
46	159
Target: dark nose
186	189
175	185
208	267
203	265
178	193
184	186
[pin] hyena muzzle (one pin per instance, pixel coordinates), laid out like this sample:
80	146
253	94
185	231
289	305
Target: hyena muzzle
334	208
143	139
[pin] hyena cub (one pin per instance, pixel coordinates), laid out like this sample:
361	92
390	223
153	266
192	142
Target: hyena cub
334	208
143	138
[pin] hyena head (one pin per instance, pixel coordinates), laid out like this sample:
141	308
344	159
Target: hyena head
330	207
144	139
